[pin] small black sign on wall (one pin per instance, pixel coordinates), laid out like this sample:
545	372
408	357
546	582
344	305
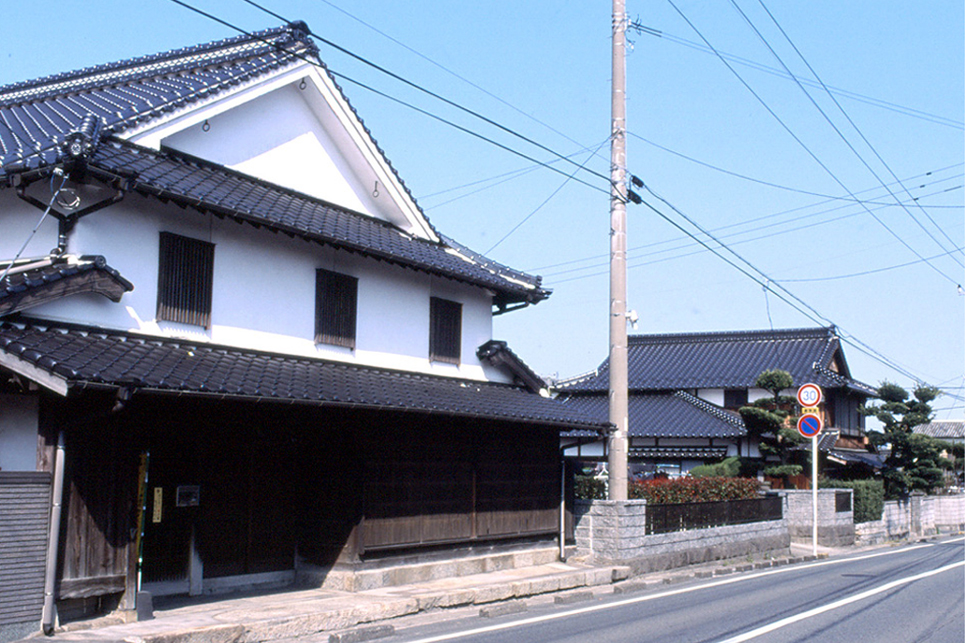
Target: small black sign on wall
188	496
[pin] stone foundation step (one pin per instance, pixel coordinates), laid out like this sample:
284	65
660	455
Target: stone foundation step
377	575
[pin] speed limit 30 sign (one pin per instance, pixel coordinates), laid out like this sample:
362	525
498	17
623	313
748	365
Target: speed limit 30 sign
809	395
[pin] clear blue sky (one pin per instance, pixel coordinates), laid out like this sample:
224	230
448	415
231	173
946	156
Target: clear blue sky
542	69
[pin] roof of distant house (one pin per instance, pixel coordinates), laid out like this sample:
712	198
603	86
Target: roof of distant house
665	415
727	360
943	429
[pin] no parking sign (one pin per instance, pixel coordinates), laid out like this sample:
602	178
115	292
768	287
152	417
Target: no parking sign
809	425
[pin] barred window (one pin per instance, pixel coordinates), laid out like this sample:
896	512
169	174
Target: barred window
336	308
445	330
734	398
185	280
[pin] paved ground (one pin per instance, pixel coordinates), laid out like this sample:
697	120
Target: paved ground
356	616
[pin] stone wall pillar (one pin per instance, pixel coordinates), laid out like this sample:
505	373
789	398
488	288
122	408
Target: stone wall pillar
610	530
835	528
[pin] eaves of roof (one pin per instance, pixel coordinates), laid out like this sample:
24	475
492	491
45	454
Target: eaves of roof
725	360
72	357
211	188
667	414
37	115
32	283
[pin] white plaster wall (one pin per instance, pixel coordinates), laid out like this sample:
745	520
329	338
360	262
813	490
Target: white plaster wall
277	137
592	450
264	289
17	221
712	395
18	432
755	394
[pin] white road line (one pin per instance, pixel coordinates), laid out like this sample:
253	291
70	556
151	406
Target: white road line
776	625
650	597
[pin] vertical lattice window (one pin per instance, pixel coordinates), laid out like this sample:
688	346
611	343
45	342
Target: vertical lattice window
336	306
445	330
734	398
185	280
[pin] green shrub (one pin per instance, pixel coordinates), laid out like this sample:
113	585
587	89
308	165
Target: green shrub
690	489
589	488
728	468
869	497
781	470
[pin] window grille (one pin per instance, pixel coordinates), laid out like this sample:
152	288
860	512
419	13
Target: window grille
185	280
445	330
336	308
734	398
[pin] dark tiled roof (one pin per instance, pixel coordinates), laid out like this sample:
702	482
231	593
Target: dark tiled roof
727	360
678	453
943	429
498	353
36	282
93	356
218	190
36	115
664	415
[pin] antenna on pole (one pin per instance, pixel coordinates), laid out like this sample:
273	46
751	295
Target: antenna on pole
619	441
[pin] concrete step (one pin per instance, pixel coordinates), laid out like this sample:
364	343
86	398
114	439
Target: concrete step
377	575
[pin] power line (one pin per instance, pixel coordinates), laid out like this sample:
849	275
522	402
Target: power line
835	128
404	103
429	92
804	145
451	72
766	183
545	201
493	181
797	219
801	306
866	272
877	102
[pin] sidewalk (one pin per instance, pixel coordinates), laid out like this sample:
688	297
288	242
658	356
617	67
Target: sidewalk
291	614
351	616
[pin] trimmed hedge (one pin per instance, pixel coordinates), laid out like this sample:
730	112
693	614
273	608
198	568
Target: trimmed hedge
728	468
589	488
706	489
869	497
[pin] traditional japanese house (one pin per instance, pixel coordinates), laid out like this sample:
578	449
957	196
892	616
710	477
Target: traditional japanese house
239	344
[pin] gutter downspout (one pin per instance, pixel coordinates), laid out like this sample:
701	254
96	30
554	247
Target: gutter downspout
53	539
562	510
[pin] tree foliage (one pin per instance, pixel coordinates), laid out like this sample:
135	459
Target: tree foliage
770	420
775	381
915	462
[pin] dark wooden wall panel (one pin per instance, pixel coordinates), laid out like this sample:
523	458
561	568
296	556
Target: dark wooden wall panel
24	519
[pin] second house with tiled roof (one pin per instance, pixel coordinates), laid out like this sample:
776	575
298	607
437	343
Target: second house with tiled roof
260	360
685	390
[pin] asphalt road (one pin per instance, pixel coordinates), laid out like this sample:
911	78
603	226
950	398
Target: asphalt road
896	595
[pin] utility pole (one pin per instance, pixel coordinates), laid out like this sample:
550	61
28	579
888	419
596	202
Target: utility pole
618	442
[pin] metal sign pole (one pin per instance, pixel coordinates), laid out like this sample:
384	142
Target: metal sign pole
814	495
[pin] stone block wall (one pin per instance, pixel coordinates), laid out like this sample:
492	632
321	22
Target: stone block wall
612	531
914	517
948	512
835	528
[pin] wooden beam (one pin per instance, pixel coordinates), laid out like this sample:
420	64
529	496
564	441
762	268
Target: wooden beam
92	586
31	372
